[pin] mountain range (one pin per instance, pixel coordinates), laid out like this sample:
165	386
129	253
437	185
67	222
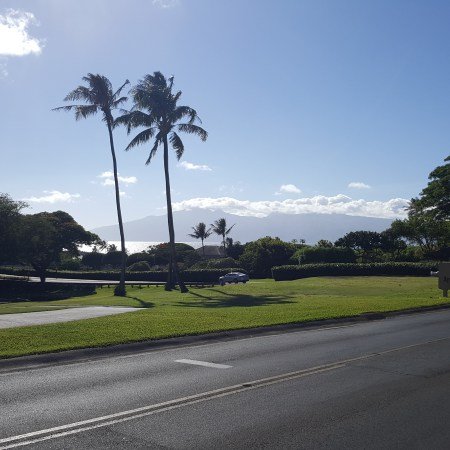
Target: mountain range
310	227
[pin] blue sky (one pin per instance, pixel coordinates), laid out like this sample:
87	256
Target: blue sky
325	106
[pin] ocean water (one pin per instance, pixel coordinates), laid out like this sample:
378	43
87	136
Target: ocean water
139	246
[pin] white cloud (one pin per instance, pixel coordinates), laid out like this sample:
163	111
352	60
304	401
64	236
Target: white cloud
190	166
14	37
108	179
53	197
288	189
165	3
339	204
358	185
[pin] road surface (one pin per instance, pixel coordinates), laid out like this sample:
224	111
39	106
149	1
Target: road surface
380	384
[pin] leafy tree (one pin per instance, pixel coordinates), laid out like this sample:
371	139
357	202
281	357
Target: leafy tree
222	263
69	262
92	259
9	224
155	108
112	248
160	254
234	249
365	242
220	227
261	255
324	243
112	258
431	235
140	257
99	96
200	232
44	236
141	266
435	198
391	243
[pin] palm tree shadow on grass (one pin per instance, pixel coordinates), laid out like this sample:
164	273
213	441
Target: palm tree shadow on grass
143	303
232	300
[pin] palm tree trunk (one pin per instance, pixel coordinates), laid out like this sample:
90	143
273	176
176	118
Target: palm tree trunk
120	289
203	248
173	276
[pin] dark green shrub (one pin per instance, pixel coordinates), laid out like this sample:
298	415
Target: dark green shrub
70	264
141	256
113	259
92	260
206	275
282	273
141	266
11	291
221	263
314	255
261	255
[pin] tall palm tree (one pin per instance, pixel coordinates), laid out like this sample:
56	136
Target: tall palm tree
220	227
200	232
99	96
155	108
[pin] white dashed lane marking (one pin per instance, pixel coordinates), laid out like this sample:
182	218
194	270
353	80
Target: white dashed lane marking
202	363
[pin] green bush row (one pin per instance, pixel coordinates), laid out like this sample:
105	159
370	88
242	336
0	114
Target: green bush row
201	275
282	273
325	255
17	290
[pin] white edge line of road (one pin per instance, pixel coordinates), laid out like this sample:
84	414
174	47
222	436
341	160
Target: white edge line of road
202	363
111	419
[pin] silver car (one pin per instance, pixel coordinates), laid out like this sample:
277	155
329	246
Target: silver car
234	277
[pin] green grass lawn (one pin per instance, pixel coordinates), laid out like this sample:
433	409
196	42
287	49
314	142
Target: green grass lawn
258	303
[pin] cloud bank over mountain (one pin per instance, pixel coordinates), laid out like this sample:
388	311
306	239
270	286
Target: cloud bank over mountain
320	204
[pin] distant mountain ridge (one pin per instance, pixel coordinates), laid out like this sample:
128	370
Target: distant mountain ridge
310	227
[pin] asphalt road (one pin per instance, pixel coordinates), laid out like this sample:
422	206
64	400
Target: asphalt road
381	384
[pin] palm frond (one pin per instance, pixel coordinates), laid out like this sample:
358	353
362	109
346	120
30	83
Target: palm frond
117	93
184	111
81	112
141	138
116	103
229	229
66	108
81	93
177	144
154	148
193	129
134	119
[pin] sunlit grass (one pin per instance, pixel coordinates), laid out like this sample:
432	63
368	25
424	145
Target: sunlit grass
258	303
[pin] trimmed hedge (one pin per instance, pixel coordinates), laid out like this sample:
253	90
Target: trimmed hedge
17	290
283	273
325	255
204	275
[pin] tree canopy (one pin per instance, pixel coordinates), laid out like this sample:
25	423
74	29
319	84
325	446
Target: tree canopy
9	218
435	197
44	236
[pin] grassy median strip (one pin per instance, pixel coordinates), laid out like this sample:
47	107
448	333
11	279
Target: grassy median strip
203	310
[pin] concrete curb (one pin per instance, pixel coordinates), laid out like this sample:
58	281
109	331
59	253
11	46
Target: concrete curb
87	354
